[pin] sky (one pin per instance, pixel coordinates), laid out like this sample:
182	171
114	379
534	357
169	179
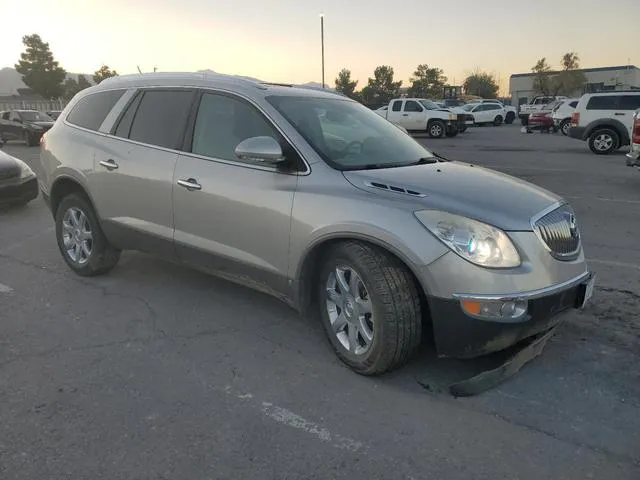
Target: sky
279	40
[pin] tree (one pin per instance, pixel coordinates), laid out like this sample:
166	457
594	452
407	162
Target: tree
71	86
102	73
570	80
381	89
345	85
482	84
39	70
542	79
427	82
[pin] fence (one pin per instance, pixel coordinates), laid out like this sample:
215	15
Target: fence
40	105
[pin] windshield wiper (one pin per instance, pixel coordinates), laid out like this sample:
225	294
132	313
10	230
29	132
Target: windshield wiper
426	161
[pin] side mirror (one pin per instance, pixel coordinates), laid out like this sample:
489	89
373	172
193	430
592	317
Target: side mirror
260	149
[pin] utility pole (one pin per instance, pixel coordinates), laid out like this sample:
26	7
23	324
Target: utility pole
322	44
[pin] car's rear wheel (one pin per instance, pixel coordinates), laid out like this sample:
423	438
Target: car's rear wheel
80	238
510	118
604	141
524	121
497	121
370	308
565	125
436	129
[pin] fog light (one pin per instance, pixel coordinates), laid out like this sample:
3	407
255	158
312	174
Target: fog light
495	309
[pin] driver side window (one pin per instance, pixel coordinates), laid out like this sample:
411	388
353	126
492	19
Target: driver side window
412	106
223	122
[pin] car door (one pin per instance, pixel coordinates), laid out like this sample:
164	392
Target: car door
627	105
14	130
479	113
233	217
4	125
132	183
413	116
395	113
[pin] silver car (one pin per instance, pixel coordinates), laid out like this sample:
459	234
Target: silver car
313	198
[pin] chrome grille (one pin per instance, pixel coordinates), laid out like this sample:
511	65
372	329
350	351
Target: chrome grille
558	230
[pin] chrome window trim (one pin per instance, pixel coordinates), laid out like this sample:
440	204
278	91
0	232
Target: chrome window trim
136	88
530	295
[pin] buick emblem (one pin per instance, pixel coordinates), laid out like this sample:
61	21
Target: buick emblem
573	226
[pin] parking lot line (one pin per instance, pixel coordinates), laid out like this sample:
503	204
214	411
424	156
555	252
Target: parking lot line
5	288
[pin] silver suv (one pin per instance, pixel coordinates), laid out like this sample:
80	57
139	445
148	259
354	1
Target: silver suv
313	198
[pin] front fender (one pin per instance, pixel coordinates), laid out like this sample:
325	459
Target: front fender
611	123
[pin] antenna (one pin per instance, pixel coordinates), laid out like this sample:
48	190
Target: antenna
138	67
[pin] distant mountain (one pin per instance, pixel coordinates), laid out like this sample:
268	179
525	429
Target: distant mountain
11	81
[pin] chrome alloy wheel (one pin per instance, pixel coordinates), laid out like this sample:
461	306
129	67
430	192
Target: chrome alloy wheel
603	142
77	236
350	310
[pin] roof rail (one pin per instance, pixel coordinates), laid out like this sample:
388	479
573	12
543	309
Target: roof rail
168	75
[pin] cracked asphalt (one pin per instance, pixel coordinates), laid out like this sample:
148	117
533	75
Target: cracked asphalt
160	372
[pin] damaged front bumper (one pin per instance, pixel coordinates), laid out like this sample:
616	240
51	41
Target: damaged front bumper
461	334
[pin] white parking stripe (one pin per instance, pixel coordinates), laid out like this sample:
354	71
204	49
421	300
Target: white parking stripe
5	289
613	263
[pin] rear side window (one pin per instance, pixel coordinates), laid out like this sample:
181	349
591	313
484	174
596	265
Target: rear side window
397	105
124	125
629	102
605	102
161	118
574	104
91	110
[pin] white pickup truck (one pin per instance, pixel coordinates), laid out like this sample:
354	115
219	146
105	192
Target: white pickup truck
537	104
420	114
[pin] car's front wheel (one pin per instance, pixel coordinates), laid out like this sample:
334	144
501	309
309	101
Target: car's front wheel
510	118
370	308
80	238
436	129
604	141
497	121
565	126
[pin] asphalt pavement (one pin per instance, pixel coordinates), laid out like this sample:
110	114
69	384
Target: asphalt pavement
160	372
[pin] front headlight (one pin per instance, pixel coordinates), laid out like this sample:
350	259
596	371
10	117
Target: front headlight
453	116
474	241
25	170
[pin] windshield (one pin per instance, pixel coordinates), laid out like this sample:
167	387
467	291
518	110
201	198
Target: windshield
429	105
35	117
347	135
555	105
469	106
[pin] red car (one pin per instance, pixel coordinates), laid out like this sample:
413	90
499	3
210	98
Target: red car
541	121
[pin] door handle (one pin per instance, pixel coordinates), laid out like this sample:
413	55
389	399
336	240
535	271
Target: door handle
405	114
190	184
618	113
109	164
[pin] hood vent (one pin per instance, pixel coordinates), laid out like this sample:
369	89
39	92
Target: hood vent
393	188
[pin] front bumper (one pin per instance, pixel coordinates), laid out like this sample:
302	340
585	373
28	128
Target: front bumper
462	336
18	192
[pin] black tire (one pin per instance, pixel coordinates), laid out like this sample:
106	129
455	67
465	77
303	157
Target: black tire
524	121
397	325
103	256
436	129
610	138
497	121
565	125
510	118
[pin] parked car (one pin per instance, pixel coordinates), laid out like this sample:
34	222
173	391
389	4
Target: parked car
537	104
604	119
465	119
540	121
27	125
382	111
510	112
485	113
54	114
633	157
344	217
18	183
561	114
420	114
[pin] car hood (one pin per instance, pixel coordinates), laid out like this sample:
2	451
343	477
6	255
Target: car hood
464	189
9	168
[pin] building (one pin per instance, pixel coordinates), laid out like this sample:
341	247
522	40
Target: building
602	79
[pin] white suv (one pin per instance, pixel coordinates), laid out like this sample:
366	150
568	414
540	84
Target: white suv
561	114
605	119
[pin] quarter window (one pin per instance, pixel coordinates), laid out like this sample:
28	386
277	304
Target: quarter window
603	102
574	104
223	122
161	118
90	111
